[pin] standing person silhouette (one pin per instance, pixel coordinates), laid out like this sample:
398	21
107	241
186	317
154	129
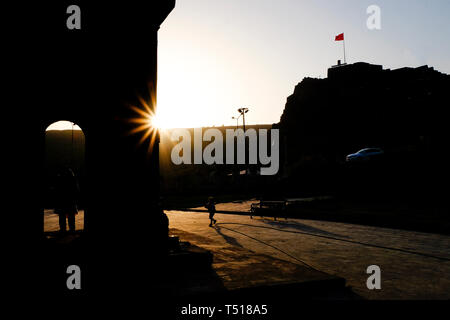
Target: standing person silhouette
211	206
66	199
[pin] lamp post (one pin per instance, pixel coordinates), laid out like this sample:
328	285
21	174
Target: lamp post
237	121
243	111
71	150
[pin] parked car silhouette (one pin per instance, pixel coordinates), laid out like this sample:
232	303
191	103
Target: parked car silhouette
364	155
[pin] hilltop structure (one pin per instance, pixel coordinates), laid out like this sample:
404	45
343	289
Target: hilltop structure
363	105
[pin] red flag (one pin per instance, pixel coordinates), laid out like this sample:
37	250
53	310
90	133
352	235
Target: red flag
339	37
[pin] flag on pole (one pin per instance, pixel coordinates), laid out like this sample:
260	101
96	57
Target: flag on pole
339	37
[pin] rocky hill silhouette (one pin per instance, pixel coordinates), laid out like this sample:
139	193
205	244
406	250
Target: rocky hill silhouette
361	105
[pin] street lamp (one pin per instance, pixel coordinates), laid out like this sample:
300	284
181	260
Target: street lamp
243	111
237	121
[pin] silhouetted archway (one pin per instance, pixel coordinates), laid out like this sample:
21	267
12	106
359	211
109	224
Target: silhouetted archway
64	148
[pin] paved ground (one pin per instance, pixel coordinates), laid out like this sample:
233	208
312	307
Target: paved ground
51	221
414	265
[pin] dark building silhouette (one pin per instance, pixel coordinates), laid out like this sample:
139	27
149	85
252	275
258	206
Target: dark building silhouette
363	105
91	77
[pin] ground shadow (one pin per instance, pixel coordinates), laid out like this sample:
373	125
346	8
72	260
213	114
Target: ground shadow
300	227
228	239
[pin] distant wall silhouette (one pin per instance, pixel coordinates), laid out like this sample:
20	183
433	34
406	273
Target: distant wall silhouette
224	178
63	151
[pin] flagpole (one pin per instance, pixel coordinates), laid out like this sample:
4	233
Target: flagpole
345	60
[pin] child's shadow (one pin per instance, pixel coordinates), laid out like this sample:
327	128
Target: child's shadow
228	239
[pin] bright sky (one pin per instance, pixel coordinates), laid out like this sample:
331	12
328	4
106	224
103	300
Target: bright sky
62	125
217	55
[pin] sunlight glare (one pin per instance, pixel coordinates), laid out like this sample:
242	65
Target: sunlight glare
146	121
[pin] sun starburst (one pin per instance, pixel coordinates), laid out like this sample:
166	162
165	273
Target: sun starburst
145	122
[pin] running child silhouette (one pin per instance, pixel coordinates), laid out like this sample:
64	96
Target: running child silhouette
211	206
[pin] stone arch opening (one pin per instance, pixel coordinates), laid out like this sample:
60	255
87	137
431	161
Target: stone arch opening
65	145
